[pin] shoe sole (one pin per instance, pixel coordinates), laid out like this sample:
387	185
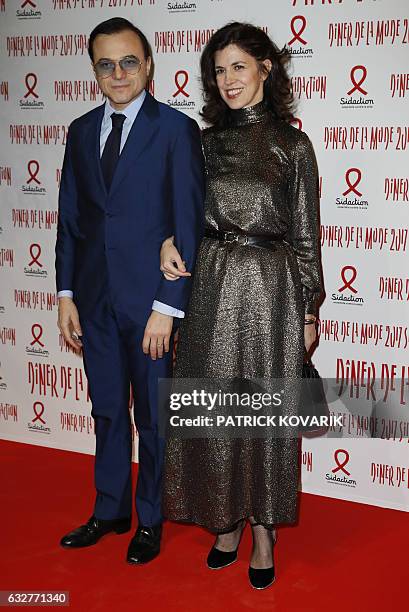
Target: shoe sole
141	562
221	566
262	588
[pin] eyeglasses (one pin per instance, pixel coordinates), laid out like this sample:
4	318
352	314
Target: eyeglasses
105	68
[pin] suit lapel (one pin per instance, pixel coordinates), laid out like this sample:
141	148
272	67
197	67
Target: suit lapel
143	129
92	148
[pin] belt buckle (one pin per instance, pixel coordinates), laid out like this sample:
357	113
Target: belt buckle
230	237
243	240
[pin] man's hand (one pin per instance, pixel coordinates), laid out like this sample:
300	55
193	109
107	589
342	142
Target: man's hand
69	322
157	335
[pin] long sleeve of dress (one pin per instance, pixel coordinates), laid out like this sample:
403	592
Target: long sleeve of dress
304	231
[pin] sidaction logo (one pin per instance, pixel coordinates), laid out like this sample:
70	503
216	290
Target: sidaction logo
38	423
181	97
35	267
358	76
37	346
31	99
348	276
3	384
298	45
33	185
353	177
28	10
340	479
182	7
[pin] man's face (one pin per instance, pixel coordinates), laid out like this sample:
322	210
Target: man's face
121	87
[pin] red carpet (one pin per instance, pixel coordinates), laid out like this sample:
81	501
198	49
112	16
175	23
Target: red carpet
341	555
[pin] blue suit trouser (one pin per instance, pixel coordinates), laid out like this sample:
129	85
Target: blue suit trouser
114	360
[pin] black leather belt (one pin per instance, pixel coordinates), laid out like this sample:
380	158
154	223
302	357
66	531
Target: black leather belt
243	239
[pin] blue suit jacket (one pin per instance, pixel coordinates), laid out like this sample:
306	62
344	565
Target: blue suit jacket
108	243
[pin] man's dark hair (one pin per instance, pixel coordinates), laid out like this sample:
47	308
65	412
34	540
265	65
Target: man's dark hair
114	26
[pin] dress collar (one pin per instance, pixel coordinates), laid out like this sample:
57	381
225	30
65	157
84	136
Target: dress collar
251	114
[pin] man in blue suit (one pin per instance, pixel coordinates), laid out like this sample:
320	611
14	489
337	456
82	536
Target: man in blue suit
133	175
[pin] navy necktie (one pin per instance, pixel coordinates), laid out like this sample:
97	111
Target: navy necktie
112	147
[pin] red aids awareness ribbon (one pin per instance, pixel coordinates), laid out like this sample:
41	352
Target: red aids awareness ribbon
357	86
39	413
37	336
181	88
348	283
30	88
352	188
30	2
35	256
33	174
341	465
297	34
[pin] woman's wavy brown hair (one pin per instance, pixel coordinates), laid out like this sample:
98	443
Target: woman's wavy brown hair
255	42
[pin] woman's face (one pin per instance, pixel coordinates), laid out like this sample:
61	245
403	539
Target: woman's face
238	77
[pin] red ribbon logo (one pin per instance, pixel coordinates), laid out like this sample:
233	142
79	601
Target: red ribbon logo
348	282
35	256
297	33
31	87
181	87
357	86
39	413
33	174
352	188
30	2
341	466
38	335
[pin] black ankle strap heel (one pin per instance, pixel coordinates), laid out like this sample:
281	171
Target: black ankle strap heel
263	578
218	559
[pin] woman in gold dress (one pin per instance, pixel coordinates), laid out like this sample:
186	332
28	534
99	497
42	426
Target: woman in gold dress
255	288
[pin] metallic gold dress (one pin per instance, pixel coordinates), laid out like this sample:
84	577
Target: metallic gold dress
246	315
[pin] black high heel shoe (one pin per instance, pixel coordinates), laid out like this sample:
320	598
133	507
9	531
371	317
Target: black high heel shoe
217	559
263	578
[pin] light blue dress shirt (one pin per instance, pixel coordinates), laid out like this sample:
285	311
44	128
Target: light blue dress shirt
130	113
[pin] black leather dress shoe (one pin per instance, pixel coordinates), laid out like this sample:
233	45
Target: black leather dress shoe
145	545
91	532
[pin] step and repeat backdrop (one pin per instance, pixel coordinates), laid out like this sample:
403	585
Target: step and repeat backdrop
351	82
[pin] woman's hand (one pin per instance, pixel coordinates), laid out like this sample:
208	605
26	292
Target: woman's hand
171	263
310	333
